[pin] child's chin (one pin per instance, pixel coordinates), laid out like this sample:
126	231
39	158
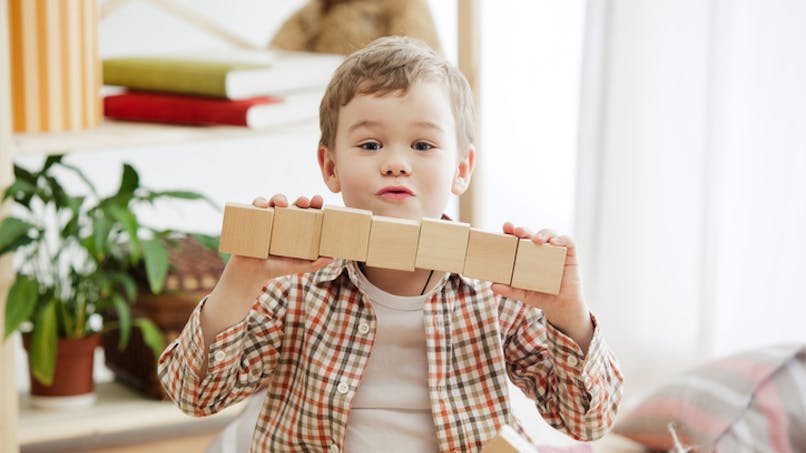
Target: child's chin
398	212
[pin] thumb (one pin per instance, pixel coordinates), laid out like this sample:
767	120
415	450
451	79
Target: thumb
320	262
508	291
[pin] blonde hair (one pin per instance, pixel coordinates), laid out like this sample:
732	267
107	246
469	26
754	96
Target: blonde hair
391	64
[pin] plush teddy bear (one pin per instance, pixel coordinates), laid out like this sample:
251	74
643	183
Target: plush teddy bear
342	26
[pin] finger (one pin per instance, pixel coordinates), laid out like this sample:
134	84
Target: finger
278	200
562	241
260	202
317	202
302	202
508	291
544	236
522	232
508	228
321	262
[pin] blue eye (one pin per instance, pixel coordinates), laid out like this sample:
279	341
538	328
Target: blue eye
422	146
370	146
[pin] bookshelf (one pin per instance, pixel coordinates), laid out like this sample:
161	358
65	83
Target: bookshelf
115	135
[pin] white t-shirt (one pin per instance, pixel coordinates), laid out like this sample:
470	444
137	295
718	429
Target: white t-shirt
391	410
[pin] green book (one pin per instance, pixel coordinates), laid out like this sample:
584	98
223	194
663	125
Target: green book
276	74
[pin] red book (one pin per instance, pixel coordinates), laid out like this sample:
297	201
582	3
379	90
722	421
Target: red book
172	108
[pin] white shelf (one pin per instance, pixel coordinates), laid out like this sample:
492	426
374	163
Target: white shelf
117	413
118	134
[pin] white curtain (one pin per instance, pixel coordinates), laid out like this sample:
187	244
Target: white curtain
691	183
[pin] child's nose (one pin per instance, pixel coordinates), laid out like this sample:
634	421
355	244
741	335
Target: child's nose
395	164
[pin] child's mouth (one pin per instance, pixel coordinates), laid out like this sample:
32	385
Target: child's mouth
395	193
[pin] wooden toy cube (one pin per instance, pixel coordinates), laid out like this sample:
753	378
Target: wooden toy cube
246	230
296	232
393	243
538	267
490	256
345	233
507	440
442	245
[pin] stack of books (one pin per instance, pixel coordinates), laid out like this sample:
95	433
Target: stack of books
253	89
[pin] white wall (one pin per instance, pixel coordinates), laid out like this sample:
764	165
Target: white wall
531	55
692	200
759	147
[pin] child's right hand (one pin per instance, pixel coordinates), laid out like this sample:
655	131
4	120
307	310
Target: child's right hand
253	273
244	277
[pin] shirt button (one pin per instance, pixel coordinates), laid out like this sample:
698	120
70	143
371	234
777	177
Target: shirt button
363	328
342	388
254	372
219	356
573	361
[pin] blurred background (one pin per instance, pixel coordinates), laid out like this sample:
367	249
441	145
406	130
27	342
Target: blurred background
668	137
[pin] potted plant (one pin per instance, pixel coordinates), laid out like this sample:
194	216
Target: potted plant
75	257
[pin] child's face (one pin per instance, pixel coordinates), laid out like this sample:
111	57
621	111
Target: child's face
397	155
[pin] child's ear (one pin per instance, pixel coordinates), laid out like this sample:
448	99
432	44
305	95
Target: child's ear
327	164
464	170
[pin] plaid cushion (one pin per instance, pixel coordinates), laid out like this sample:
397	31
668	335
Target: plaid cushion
751	401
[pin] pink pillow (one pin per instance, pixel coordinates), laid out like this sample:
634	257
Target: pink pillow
760	392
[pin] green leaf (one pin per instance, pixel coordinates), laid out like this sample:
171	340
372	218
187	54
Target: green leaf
182	195
124	320
21	174
127	283
50	161
101	226
22	191
152	336
59	195
156	262
14	234
129	182
128	221
211	242
21	303
42	354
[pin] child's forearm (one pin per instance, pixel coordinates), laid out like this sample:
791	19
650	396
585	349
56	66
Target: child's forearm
228	303
578	326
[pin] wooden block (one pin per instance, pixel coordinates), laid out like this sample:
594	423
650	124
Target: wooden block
296	232
507	440
538	267
393	243
442	245
490	256
246	230
345	233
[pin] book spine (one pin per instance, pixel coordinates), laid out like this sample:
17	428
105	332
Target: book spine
175	109
51	42
165	79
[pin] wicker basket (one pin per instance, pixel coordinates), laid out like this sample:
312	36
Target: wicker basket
193	273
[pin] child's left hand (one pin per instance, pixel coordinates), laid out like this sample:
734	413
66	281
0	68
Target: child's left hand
566	311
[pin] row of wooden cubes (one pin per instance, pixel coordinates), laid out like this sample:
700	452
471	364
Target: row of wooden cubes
391	243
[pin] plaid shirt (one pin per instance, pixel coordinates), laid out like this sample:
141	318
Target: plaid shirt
308	337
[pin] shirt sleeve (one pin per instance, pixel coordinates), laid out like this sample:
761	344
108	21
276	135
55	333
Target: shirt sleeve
575	392
239	359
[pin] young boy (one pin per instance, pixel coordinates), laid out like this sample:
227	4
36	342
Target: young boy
356	358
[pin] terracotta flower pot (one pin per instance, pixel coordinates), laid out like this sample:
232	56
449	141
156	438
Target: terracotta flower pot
72	378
